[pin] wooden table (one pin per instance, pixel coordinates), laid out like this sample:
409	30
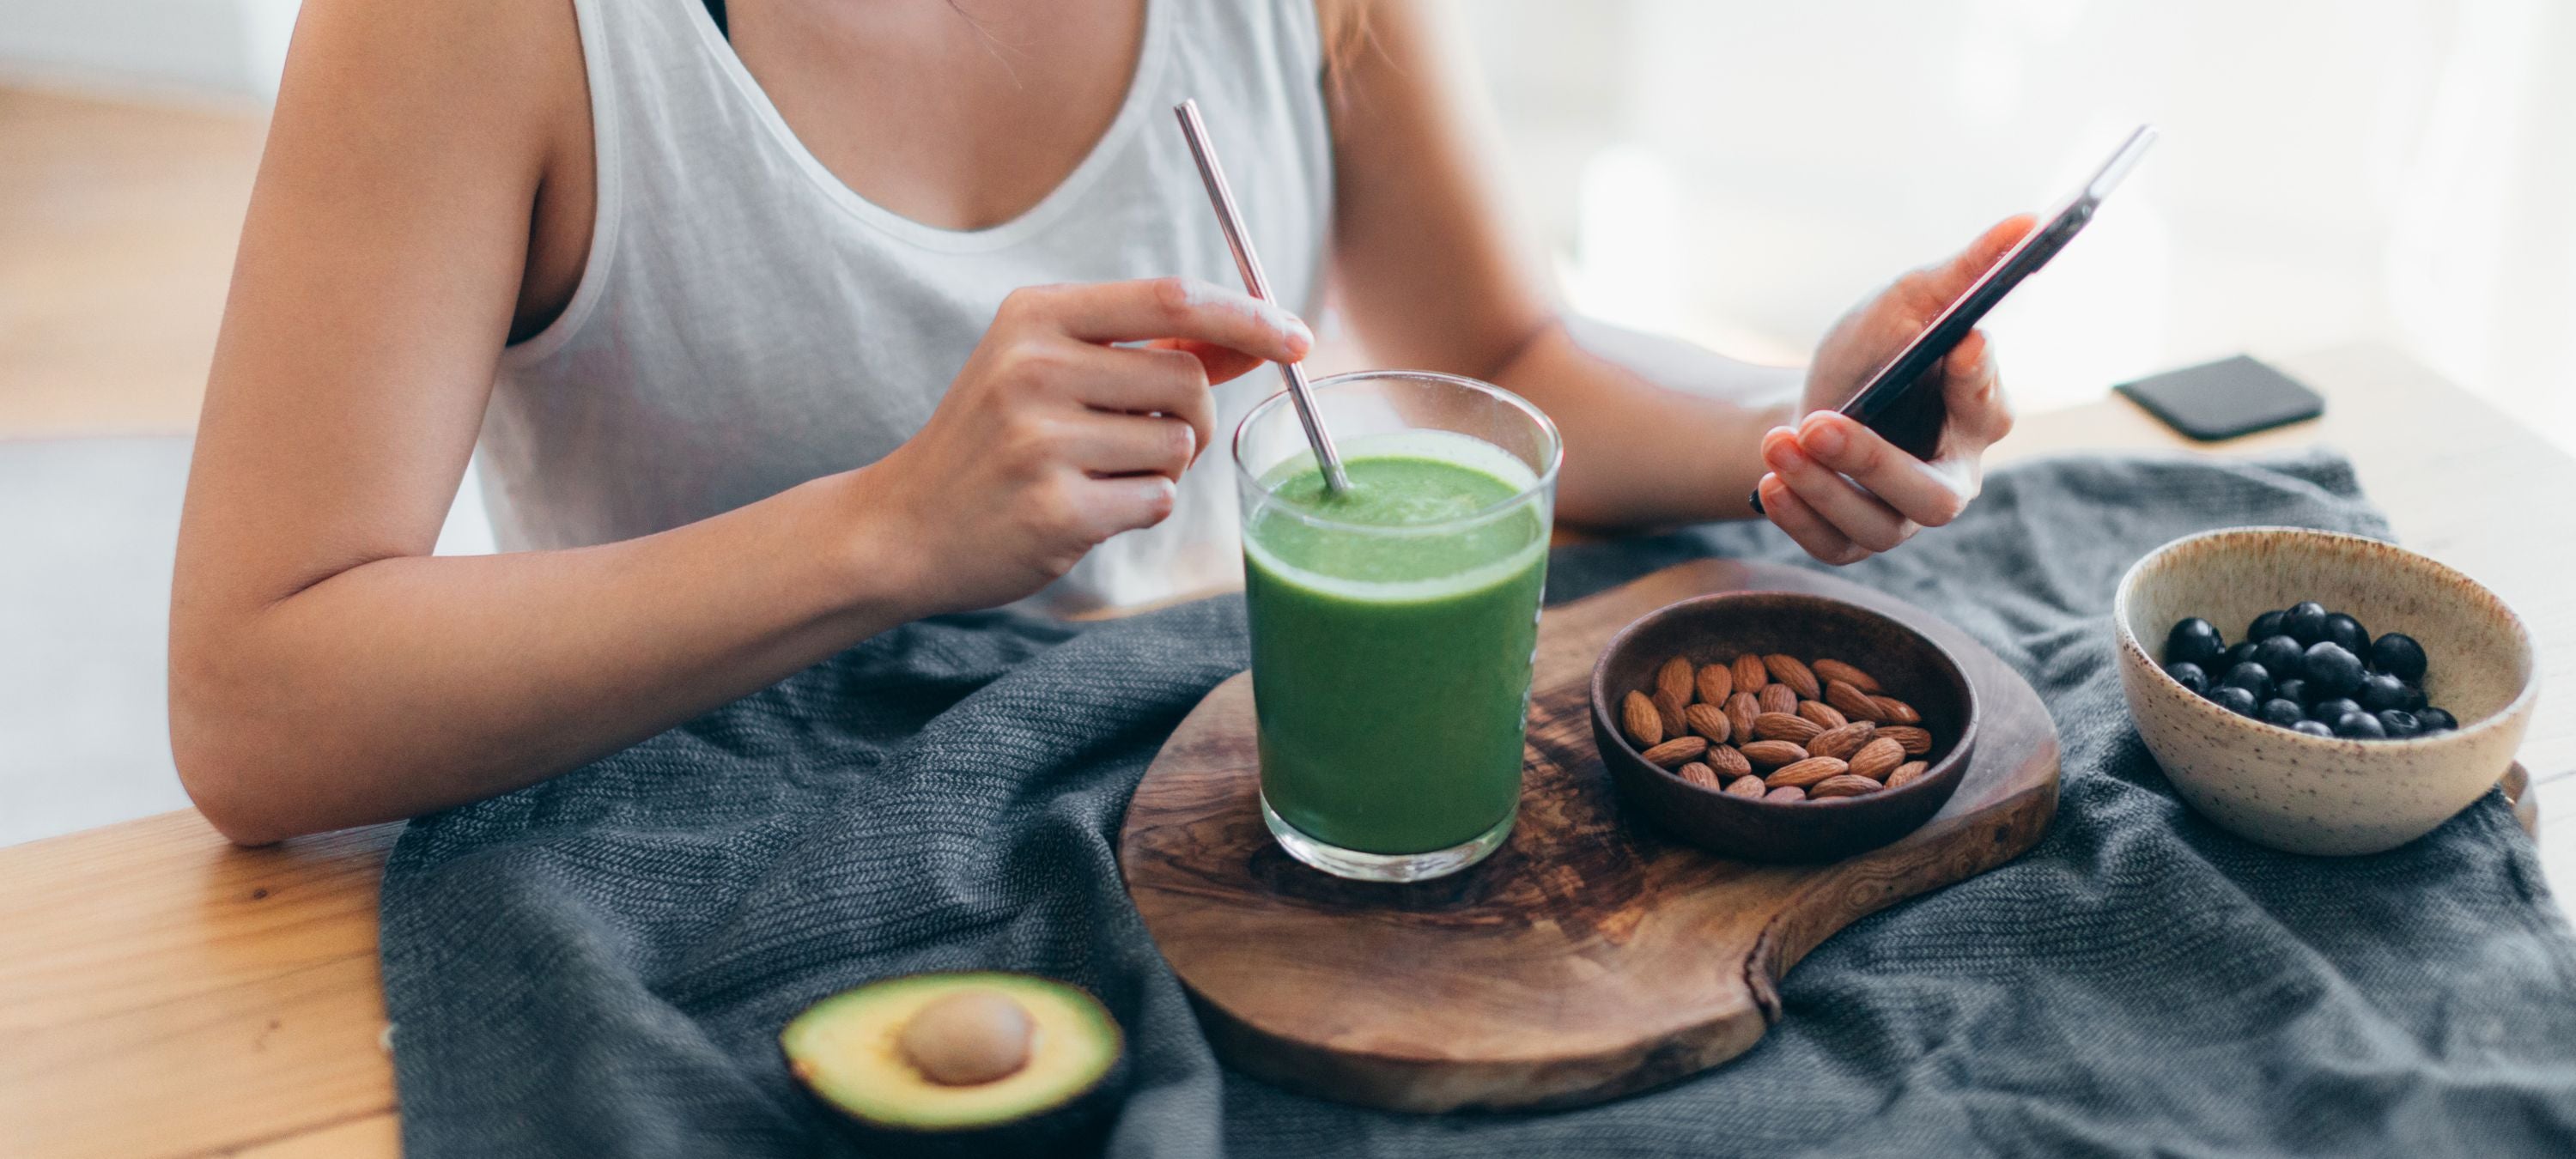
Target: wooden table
164	994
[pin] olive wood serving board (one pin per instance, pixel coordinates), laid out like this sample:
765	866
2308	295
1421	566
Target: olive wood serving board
1590	957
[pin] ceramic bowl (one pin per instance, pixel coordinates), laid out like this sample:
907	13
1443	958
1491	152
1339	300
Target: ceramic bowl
2312	794
1718	628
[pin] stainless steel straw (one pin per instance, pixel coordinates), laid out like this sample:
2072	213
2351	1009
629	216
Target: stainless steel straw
1249	264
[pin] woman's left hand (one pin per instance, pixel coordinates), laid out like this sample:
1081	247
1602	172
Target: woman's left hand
1838	488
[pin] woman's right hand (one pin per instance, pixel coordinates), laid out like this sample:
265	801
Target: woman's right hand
1052	439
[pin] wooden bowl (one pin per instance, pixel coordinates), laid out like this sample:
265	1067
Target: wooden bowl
1718	628
2310	794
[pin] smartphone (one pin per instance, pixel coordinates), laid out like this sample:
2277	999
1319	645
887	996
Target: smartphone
2224	399
1902	402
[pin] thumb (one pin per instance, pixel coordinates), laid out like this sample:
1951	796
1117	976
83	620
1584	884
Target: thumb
1952	278
1223	363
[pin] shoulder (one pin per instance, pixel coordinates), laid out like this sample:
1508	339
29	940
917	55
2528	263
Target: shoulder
494	76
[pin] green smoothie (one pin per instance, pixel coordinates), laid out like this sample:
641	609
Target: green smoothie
1392	637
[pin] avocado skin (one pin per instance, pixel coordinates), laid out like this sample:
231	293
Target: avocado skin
1078	1125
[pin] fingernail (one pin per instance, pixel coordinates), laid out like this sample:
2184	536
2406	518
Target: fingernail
1825	438
1290	325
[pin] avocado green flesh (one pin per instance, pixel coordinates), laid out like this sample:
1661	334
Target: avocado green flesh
844	1049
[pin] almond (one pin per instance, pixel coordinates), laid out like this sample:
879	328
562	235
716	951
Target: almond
1708	720
1746	787
1782	726
1674	679
1679	751
1787	670
1701	775
1877	759
1845	785
1825	715
1915	741
1786	793
1741	708
1727	761
1671	706
1837	670
1853	702
1749	673
1906	774
1894	711
1716	683
1645	724
1810	771
1772	753
1841	742
1777	698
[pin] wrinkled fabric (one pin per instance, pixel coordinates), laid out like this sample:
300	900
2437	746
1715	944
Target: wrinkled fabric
600	965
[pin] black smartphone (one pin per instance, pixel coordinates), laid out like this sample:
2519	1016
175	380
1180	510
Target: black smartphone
1902	402
2224	399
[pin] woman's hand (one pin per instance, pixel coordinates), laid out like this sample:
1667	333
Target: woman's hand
1052	439
1837	487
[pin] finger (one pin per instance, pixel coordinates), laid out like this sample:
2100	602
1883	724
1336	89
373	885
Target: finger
1860	516
1105	507
1106	445
1914	490
1973	393
1218	363
1945	281
1791	514
1169	308
1128	380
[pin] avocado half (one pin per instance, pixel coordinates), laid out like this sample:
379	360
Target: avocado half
852	1052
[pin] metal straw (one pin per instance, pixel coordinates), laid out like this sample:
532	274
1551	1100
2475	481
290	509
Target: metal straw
1249	264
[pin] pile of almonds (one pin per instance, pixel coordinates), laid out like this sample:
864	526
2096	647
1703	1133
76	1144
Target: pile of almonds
1777	728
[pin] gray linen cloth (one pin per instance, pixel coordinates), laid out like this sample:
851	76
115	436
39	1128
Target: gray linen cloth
600	965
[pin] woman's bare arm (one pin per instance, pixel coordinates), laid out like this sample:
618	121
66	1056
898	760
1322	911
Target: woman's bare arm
1428	260
327	671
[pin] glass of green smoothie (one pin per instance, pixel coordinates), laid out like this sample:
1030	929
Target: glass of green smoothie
1394	624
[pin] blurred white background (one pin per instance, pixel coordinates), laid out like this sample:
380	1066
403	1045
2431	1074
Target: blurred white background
1740	172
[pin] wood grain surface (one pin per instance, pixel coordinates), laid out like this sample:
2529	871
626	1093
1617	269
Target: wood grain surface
1590	957
159	913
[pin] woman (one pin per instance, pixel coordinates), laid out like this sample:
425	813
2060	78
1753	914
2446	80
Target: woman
784	325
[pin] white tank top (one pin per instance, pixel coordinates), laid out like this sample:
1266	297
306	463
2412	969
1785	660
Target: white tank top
746	322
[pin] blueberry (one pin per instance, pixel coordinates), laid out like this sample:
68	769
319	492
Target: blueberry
2251	677
2359	726
2414	701
2241	652
2278	654
2193	641
2305	622
2233	699
2399	723
2312	728
2398	655
2294	688
2379	691
2436	720
2190	676
2332	710
2267	624
2333	670
2345	630
2285	713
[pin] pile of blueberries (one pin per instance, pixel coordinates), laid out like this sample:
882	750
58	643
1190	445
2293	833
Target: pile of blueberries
2312	671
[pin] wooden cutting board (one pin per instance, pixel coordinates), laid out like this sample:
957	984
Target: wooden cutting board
1587	959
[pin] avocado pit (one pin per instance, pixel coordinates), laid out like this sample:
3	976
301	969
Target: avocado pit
968	1038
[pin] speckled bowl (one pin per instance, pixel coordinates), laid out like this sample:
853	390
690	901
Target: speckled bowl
2310	794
